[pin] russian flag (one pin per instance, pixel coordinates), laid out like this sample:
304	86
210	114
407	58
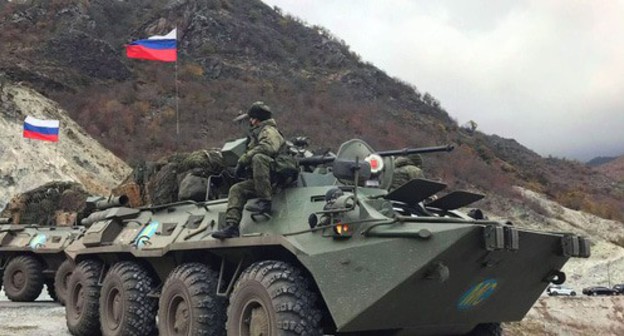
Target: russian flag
155	48
47	130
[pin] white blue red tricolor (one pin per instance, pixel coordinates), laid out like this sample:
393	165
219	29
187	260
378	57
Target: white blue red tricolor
47	130
155	48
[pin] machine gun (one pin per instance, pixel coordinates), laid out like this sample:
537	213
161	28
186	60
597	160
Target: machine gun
325	159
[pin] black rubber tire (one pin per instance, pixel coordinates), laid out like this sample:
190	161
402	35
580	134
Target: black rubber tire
573	294
487	329
61	278
276	298
51	291
190	291
23	279
83	299
125	308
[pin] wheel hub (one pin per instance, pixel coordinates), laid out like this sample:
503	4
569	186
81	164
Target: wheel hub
255	320
78	300
179	316
115	308
18	279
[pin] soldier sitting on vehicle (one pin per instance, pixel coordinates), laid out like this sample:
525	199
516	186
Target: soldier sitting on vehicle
406	168
263	145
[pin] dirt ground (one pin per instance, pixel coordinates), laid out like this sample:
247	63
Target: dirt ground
43	317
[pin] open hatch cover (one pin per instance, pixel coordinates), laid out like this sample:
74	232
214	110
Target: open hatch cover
415	191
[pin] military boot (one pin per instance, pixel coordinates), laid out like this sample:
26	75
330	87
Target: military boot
262	206
230	231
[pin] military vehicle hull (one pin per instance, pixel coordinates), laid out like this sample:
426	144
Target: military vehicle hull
394	276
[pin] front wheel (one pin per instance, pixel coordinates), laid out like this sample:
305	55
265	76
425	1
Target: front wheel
125	308
273	298
83	299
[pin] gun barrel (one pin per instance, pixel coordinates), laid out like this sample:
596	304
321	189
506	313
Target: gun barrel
112	202
423	150
316	160
324	159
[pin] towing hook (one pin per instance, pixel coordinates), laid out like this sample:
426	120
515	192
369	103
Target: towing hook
555	277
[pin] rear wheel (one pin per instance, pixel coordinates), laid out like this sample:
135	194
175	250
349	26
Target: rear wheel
487	329
273	298
188	304
573	293
83	299
61	279
23	279
125	308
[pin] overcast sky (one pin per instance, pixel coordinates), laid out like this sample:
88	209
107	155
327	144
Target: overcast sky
548	73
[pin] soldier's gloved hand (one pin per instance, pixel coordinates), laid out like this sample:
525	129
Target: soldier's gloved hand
244	160
239	171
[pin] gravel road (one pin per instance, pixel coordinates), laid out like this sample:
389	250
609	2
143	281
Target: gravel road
43	317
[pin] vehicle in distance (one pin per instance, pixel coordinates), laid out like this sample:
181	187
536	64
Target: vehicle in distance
619	288
599	290
557	290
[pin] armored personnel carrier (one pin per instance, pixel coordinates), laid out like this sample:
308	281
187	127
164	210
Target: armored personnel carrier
339	254
32	256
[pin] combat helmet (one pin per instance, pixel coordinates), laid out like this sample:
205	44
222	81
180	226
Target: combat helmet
258	110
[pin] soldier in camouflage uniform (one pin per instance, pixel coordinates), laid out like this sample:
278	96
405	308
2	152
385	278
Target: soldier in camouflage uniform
406	168
264	143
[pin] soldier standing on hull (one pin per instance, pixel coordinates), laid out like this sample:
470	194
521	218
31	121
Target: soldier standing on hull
406	168
264	144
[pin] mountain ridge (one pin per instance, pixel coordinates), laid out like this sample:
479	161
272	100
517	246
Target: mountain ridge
235	52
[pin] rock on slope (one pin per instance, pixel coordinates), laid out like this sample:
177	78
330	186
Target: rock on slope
26	164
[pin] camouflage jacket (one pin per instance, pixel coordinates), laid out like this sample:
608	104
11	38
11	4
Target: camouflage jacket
264	138
404	171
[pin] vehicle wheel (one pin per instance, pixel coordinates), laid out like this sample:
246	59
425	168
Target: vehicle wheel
273	298
50	286
487	329
23	279
573	294
594	294
61	278
83	299
125	308
188	304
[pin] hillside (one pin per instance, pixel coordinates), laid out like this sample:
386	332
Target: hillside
233	52
26	164
613	169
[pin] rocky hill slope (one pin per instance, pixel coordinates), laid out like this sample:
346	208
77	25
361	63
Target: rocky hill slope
26	164
233	52
613	168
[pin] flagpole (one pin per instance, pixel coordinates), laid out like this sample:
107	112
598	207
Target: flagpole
176	100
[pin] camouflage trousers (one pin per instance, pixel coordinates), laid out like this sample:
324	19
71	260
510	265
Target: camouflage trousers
258	186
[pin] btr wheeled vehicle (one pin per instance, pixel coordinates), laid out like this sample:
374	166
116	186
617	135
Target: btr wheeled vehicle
339	254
